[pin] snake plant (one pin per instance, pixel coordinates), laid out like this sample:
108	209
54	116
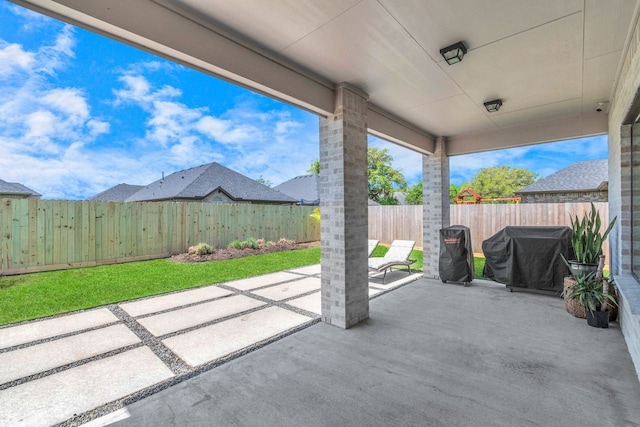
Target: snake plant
586	238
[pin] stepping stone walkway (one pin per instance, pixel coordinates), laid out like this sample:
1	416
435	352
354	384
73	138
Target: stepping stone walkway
74	368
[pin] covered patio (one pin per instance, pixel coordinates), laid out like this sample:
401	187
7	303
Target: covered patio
434	354
560	70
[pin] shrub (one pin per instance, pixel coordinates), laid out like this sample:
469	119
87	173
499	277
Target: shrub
251	243
236	244
284	241
200	249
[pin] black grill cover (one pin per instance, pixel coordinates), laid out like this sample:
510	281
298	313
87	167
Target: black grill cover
528	257
456	256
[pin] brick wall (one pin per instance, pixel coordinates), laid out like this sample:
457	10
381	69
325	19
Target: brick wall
591	196
626	98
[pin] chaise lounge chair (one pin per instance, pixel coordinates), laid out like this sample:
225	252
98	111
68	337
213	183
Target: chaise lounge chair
398	254
373	244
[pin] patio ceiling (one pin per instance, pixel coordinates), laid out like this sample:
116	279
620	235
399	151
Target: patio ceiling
550	61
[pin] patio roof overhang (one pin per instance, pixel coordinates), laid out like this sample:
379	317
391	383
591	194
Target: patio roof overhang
550	62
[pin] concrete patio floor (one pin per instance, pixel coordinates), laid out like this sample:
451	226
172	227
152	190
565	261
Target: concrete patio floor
431	354
75	368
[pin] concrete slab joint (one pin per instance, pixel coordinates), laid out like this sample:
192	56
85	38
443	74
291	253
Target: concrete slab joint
344	216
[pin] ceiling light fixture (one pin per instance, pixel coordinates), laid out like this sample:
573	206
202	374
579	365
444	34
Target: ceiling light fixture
454	53
493	106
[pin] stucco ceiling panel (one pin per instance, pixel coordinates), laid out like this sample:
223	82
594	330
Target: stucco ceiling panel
541	113
600	18
439	23
366	47
599	78
459	113
537	67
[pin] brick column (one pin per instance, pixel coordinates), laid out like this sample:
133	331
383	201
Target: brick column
343	208
435	206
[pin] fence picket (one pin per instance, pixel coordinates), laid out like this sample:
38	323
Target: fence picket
41	235
388	223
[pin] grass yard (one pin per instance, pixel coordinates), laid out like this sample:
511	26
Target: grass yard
30	296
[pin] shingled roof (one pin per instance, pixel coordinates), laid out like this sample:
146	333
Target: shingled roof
198	182
303	188
118	193
590	175
15	189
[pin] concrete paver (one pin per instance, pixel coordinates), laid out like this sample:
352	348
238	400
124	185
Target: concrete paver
56	398
309	269
91	387
218	340
38	330
264	280
288	290
312	303
176	320
177	299
42	357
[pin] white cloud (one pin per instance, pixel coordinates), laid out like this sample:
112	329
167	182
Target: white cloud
14	60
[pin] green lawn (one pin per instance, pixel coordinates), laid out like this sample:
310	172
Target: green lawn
30	296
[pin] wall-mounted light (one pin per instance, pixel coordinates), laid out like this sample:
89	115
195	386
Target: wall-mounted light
493	106
454	53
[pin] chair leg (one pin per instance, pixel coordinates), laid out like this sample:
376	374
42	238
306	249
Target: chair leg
384	275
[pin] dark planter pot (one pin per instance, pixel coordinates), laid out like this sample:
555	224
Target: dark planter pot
598	319
578	268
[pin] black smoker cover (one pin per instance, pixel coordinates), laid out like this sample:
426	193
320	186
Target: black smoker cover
456	256
528	257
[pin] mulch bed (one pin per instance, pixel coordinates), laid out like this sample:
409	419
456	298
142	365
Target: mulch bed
231	253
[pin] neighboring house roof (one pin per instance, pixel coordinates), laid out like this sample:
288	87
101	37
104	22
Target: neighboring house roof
118	193
13	188
303	188
590	175
198	182
306	189
400	197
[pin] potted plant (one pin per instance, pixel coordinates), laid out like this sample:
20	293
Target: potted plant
587	242
592	292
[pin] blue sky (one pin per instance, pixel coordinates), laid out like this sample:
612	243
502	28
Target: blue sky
81	113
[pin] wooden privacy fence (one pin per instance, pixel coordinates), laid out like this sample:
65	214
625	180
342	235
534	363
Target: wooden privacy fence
40	235
388	223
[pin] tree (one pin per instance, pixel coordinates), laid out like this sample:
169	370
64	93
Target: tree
315	167
454	190
501	181
384	179
414	196
263	181
388	200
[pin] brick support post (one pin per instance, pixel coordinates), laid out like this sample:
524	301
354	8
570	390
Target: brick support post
343	208
435	209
